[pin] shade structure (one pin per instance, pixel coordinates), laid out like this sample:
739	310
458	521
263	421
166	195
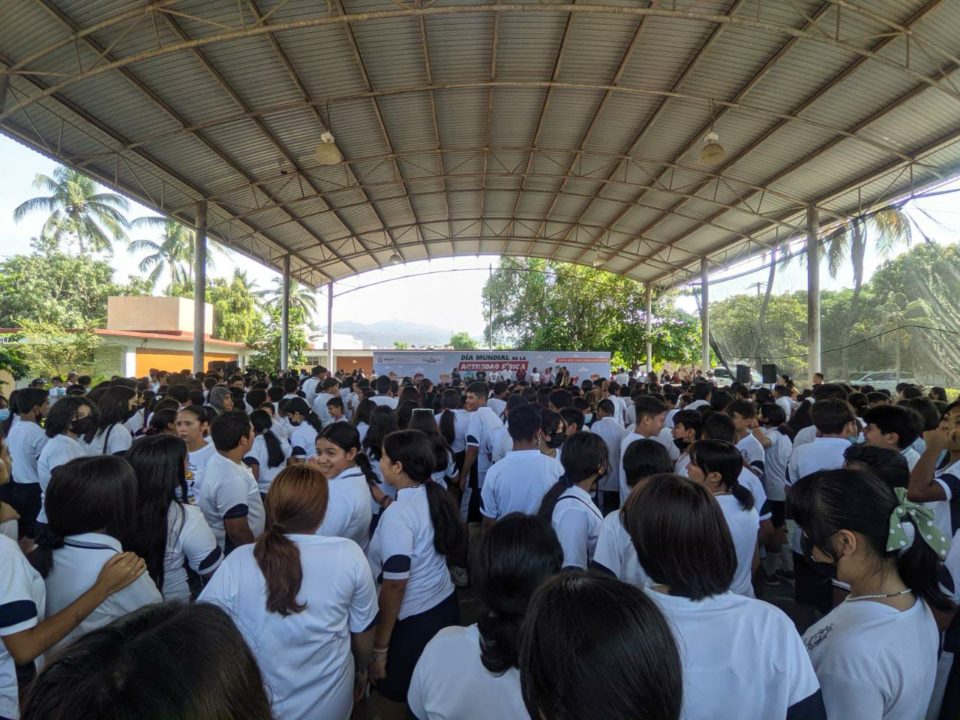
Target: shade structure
570	131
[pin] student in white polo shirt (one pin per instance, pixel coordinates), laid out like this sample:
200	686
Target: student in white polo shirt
311	385
230	499
744	415
615	553
935	478
269	453
25	632
158	662
569	505
117	405
25	441
651	414
567	672
519	481
472	672
384	396
737	652
835	426
331	389
894	427
349	478
481	428
170	534
408	551
876	653
612	432
306	603
452	420
193	428
716	465
70	420
306	426
91	507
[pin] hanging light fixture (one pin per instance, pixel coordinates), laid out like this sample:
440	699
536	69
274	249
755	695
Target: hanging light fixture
327	152
712	152
395	258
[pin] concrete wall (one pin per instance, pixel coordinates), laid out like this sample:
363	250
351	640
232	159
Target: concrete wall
155	314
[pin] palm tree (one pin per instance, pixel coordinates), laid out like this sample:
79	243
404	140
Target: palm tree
300	297
173	251
889	229
77	212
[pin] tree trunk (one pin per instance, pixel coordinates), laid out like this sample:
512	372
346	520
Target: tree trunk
761	319
857	250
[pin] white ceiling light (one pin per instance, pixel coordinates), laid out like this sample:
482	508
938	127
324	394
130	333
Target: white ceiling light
712	152
395	258
327	152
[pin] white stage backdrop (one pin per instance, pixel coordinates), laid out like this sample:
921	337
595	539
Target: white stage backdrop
438	365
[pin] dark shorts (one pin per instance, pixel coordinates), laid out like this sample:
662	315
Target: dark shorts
609	501
778	510
476	502
410	636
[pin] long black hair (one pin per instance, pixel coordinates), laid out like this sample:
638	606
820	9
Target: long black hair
774	416
723	458
363	411
383	421
412	449
346	437
826	502
87	494
449	401
262	426
61	416
114	406
516	555
299	405
158	461
424	421
584	454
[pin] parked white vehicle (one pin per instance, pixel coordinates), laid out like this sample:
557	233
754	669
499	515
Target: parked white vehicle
722	377
883	379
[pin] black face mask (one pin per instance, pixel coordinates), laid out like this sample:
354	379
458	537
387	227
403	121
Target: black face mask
681	443
82	426
806	546
556	440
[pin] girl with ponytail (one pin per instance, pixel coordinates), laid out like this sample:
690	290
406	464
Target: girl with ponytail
408	551
876	652
306	426
350	478
462	664
716	464
268	455
569	507
320	602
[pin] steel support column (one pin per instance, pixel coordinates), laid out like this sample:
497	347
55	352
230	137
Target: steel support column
813	290
648	297
285	317
199	286
704	316
330	366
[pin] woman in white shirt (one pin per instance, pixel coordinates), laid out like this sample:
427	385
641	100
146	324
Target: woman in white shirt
423	420
306	426
91	510
876	652
305	603
361	418
408	551
472	673
117	404
737	652
452	421
383	421
269	453
71	420
169	534
716	464
350	478
569	507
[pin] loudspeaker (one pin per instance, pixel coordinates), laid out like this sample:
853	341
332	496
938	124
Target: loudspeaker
770	374
743	375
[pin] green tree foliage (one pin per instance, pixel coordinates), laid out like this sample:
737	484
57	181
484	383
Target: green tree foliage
236	309
49	349
544	305
400	345
13	361
462	341
77	212
267	356
172	252
52	287
300	297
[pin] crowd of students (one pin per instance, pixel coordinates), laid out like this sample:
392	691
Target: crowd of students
200	546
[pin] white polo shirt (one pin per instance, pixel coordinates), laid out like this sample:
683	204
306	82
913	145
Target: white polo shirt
57	451
451	682
874	661
777	456
309	388
481	431
576	520
631	437
947	512
22	606
738	653
402	549
25	442
196	464
303	440
75	569
749	479
785	404
348	508
501	445
821	454
115	439
390	402
190	541
805	435
612	434
461	418
229	491
518	483
261	456
320	407
615	552
752	452
744	525
305	657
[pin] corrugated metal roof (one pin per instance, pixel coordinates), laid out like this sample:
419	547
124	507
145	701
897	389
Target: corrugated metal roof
552	129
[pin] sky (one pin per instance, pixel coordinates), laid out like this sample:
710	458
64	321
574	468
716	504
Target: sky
420	292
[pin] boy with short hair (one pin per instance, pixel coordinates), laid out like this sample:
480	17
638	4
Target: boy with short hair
335	410
893	427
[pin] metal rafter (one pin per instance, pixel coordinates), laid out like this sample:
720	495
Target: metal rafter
488	120
806	104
